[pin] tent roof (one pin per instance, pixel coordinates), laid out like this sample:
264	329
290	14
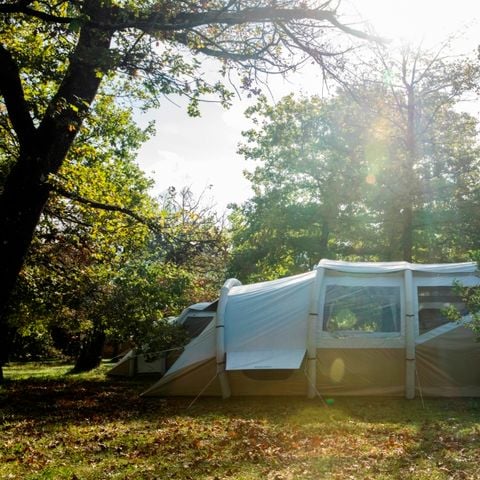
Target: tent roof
201	306
390	267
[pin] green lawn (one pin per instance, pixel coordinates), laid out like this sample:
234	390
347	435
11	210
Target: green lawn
54	425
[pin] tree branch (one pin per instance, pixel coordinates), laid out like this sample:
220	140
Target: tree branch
226	54
158	21
103	206
12	91
151	224
23	8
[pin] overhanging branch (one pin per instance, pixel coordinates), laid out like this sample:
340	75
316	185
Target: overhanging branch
103	206
151	224
12	91
22	7
152	22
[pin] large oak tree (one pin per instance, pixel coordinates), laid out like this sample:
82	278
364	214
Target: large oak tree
54	56
93	272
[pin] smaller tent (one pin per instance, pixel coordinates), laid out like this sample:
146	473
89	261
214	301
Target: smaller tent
346	328
194	319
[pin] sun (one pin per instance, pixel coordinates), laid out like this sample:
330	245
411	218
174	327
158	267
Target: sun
416	21
408	20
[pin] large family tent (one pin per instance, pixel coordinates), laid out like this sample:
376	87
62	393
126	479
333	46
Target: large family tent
194	319
342	329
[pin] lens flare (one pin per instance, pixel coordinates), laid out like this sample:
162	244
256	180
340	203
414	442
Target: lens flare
337	370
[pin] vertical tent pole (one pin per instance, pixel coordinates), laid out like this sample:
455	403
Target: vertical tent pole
133	364
409	336
313	320
220	335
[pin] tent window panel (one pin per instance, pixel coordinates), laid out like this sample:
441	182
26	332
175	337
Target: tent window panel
431	303
361	309
196	325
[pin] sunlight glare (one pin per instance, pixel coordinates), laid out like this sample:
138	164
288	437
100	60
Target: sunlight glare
416	21
337	370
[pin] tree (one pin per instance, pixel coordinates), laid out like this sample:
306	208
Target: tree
337	177
471	299
93	272
55	56
76	250
309	185
415	94
94	275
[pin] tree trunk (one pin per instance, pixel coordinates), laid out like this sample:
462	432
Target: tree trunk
393	227
21	204
43	149
324	239
90	354
407	234
409	178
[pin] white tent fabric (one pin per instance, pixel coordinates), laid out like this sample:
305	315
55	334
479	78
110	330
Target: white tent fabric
367	320
267	317
259	326
290	359
386	267
198	350
133	364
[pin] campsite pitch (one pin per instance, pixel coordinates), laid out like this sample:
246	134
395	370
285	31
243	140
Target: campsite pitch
59	426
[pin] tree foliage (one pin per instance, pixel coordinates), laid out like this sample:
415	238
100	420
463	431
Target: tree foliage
98	273
430	147
309	185
56	56
355	176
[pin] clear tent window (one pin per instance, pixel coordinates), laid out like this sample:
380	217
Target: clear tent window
365	309
432	302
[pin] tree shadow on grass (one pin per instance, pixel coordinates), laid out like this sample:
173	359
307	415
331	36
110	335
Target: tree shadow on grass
360	437
72	397
71	400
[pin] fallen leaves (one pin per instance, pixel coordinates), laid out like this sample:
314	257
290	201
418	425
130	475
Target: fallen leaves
91	430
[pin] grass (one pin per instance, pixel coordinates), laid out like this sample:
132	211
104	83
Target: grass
53	370
54	425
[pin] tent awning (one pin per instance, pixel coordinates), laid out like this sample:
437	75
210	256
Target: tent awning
265	359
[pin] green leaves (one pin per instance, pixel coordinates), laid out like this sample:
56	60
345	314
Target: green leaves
75	25
353	176
308	184
92	270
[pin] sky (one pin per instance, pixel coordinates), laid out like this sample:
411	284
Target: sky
201	153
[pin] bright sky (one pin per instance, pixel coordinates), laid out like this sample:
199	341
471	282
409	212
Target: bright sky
201	152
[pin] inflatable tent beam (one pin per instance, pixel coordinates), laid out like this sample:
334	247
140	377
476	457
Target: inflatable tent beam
220	335
409	337
133	364
313	320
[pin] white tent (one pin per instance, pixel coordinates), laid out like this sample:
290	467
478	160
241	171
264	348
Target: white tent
342	329
194	319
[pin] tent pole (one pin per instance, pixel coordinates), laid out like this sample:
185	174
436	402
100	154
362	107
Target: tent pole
409	337
133	364
220	336
313	319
